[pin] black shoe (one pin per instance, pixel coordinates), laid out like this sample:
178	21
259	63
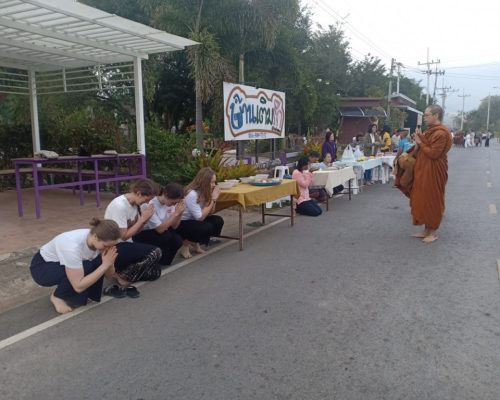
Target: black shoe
132	292
115	291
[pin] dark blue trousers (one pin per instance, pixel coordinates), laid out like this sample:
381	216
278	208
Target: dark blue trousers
54	274
309	208
169	242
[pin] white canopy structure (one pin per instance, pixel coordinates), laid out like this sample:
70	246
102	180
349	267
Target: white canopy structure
56	41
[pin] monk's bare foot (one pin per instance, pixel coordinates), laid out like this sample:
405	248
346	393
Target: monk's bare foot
197	248
185	253
60	305
431	238
421	235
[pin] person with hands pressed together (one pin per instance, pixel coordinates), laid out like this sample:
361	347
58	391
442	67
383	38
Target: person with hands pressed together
159	230
76	261
430	174
198	223
304	177
135	261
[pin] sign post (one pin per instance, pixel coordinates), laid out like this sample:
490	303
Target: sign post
251	113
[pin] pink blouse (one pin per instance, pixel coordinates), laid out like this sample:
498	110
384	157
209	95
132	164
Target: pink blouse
304	179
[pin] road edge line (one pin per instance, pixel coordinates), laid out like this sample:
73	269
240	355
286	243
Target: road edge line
61	318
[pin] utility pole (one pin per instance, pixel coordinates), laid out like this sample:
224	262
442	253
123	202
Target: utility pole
489	106
441	72
428	72
399	65
393	61
444	94
463	96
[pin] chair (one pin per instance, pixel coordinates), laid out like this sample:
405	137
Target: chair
280	171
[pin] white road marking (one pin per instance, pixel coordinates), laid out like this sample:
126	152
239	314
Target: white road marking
488	184
57	320
493	209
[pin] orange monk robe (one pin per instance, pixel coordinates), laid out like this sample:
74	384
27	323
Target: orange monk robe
429	177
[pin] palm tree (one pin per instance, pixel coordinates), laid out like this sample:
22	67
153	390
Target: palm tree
209	70
208	67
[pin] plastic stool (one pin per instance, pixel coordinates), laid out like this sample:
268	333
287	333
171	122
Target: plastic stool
280	171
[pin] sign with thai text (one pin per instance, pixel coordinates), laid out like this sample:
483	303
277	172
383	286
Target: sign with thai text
251	113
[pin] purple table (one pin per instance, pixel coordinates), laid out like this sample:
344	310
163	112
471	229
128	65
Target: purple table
96	176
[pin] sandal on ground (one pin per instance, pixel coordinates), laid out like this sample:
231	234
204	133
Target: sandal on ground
115	291
132	292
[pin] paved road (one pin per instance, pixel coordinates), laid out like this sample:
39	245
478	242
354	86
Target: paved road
345	306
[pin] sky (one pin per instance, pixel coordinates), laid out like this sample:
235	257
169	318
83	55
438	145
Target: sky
463	36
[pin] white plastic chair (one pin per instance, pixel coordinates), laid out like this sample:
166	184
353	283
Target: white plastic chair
280	171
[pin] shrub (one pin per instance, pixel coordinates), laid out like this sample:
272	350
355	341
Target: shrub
169	156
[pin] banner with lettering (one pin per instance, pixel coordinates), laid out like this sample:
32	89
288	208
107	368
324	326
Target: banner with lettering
251	113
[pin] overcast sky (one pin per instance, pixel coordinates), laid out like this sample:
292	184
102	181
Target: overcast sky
464	36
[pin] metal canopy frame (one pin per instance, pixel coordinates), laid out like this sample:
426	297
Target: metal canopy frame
63	41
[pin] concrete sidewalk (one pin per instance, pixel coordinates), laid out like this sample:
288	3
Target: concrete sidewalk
61	211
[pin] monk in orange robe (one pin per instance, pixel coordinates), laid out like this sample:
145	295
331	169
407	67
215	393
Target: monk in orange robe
430	174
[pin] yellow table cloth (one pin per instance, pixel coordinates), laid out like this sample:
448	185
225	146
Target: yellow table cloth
249	195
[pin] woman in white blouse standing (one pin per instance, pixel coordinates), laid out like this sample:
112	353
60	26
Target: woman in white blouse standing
198	223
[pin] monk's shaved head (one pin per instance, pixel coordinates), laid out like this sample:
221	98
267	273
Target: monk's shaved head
436	109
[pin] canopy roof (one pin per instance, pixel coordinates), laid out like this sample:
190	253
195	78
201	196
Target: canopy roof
46	35
65	45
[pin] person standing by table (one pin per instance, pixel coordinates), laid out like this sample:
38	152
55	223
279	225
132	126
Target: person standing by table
159	230
430	174
135	261
395	140
329	146
304	177
76	262
404	143
386	140
198	222
371	141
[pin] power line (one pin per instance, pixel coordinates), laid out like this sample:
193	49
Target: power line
325	7
428	63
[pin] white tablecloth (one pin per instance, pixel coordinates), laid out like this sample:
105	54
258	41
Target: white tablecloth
380	166
332	178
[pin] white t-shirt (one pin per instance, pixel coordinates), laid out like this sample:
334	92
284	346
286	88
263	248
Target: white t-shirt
69	249
192	209
161	214
122	212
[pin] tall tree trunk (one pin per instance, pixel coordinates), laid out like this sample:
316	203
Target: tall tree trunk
199	102
199	119
240	144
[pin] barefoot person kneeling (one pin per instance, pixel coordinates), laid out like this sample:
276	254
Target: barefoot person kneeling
198	223
76	262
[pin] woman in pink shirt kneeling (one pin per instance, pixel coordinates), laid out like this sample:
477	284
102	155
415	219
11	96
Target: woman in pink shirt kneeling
305	205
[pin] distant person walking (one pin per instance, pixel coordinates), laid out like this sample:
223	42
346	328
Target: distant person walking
430	174
487	140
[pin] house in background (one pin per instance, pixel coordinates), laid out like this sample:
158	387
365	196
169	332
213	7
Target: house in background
356	113
407	105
